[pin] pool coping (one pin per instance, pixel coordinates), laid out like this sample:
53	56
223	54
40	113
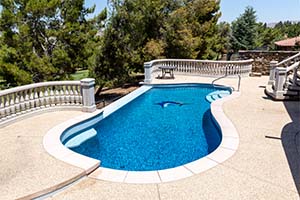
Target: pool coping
229	144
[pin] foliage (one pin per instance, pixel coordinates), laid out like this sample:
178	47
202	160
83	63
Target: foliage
140	30
266	36
246	33
244	30
52	39
80	74
43	39
288	29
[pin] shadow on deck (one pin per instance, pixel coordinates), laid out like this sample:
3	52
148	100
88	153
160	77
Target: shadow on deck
290	138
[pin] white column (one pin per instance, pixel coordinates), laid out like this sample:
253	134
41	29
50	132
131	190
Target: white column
88	94
280	79
148	72
272	72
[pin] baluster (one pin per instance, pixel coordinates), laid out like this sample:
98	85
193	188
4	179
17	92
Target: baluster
57	95
2	105
193	67
52	96
201	68
181	67
2	111
67	95
6	105
294	81
27	100
80	94
187	67
207	68
22	102
12	104
31	97
47	97
17	103
32	100
42	97
62	95
36	98
72	97
216	69
76	93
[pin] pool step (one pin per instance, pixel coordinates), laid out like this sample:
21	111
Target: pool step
216	95
81	138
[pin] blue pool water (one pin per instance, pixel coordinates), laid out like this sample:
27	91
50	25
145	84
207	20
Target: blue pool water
163	128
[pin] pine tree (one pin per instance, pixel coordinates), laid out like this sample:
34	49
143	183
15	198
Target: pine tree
244	30
140	30
43	39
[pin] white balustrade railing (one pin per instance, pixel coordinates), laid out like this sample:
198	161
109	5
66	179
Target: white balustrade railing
282	83
278	80
285	63
198	67
24	99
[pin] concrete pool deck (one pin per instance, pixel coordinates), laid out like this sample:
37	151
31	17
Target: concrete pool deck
265	166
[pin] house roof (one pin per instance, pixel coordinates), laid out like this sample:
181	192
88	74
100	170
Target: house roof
290	42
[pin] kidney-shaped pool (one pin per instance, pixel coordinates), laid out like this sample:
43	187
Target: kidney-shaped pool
165	127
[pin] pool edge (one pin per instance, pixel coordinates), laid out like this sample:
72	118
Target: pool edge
226	149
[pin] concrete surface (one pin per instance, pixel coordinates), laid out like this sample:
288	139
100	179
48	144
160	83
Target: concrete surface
26	168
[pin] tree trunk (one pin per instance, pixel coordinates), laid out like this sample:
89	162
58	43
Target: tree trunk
99	90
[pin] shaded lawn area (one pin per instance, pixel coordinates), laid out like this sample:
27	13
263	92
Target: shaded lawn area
109	95
80	74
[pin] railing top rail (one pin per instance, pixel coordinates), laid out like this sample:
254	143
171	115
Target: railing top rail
292	67
202	61
288	59
37	85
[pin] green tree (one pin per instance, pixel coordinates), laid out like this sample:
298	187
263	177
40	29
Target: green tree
131	31
43	39
139	30
192	32
288	29
223	38
266	36
244	30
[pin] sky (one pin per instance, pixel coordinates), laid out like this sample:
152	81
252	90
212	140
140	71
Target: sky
266	10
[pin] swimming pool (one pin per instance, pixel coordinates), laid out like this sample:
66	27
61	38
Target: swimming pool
164	127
